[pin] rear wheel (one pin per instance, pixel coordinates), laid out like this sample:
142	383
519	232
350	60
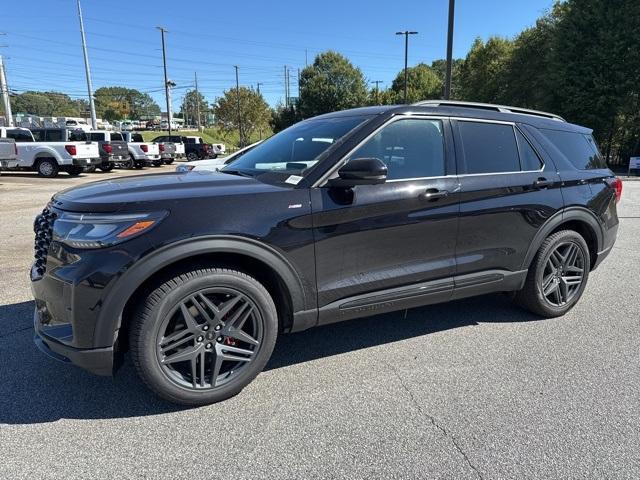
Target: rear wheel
131	163
156	163
202	336
47	167
106	167
558	275
74	171
191	156
168	161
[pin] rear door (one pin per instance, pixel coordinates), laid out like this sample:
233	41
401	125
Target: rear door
507	191
399	234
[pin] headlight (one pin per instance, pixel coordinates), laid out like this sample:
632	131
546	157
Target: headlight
92	230
184	168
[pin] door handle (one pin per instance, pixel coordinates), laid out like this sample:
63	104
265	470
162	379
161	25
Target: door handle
542	183
432	194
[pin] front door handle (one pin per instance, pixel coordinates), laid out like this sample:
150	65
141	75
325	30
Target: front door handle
542	183
432	194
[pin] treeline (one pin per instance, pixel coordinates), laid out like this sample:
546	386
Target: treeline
581	61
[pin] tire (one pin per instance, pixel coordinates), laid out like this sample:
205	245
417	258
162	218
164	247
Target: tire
157	163
90	169
214	156
139	165
168	161
47	167
181	381
191	156
131	163
74	171
106	167
545	270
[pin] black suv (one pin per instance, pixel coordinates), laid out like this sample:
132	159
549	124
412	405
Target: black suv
340	216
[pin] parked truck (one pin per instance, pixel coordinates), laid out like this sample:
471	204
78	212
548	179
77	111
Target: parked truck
8	152
141	153
113	148
50	157
195	147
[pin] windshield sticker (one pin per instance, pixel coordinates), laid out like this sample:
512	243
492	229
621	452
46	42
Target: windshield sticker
293	179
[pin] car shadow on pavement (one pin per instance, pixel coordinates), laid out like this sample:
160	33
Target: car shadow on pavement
36	389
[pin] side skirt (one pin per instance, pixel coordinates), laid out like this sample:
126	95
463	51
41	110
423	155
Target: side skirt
410	296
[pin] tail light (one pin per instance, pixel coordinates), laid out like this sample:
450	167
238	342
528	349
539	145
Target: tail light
144	148
205	147
161	147
107	148
616	184
71	149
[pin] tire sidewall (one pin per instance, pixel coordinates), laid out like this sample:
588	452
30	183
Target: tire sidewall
541	262
149	364
54	168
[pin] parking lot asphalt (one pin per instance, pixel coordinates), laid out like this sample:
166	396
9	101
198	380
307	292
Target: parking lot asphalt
470	389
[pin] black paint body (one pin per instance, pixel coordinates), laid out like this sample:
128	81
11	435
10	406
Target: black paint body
338	253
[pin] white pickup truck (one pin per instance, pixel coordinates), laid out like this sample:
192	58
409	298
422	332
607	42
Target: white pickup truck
141	153
49	158
8	151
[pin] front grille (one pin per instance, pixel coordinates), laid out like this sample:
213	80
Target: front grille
43	228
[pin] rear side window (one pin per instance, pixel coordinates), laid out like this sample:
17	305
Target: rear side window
20	135
489	147
38	135
78	136
579	149
136	137
116	137
96	137
54	136
529	159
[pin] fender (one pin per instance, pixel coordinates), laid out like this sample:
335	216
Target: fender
110	316
565	215
28	154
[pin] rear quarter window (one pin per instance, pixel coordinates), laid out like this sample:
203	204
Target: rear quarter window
579	149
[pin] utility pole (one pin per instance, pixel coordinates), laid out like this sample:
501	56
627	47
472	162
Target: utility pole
286	90
166	80
4	88
377	82
406	34
239	112
259	83
92	106
288	86
305	58
447	81
197	101
298	85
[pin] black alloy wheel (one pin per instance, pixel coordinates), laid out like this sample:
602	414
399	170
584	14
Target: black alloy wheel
563	274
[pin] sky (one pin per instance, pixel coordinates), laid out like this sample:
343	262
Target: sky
42	50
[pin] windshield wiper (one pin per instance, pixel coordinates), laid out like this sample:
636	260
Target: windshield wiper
236	172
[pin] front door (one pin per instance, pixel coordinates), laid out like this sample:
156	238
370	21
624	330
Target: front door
389	246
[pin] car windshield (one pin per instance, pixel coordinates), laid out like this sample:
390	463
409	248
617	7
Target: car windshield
288	156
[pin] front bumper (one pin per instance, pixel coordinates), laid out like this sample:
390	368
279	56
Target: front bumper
95	360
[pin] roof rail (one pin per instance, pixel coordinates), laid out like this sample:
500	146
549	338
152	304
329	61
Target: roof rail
489	106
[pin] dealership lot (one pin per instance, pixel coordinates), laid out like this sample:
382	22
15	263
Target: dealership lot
470	389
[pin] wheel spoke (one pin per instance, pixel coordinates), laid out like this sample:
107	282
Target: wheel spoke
562	292
202	357
194	370
188	318
242	336
176	340
242	351
181	356
552	287
216	364
228	305
572	280
547	281
555	259
571	255
202	311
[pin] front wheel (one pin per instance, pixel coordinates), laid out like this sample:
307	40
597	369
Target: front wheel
557	276
204	335
191	156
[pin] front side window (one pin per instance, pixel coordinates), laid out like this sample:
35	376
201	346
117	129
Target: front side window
38	135
579	149
410	148
288	156
54	136
489	147
20	135
96	137
135	137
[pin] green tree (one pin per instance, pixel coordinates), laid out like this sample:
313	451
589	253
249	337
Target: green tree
47	104
440	68
255	113
331	83
483	72
116	103
283	117
423	83
189	108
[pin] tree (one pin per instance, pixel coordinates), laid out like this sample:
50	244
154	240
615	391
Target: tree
483	72
116	103
331	83
440	68
189	107
48	104
283	117
255	113
423	83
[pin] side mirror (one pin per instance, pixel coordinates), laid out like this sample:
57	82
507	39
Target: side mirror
360	171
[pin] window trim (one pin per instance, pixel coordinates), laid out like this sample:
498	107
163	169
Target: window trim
514	125
322	181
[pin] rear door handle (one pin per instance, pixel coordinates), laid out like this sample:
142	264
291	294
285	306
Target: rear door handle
542	183
434	194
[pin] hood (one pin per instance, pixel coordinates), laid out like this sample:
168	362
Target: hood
154	191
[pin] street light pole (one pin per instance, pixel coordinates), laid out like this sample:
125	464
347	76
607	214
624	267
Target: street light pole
406	34
92	106
166	80
238	104
447	81
377	82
